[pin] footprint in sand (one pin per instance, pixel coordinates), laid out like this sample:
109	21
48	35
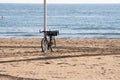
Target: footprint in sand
95	64
1	71
65	64
47	63
99	58
50	62
103	70
14	65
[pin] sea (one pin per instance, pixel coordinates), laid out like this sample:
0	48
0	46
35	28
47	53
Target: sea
71	20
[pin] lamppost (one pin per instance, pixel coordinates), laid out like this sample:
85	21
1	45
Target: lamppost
45	16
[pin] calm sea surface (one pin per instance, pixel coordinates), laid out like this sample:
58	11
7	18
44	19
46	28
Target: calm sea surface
72	21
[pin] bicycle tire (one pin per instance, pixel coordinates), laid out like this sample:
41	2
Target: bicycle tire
54	42
44	45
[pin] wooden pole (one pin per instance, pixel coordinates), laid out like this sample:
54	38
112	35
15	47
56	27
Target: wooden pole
45	15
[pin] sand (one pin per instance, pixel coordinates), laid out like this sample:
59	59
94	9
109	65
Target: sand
72	59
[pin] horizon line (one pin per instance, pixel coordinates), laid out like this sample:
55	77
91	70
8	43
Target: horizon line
55	3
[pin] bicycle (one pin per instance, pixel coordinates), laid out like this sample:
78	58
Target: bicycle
48	42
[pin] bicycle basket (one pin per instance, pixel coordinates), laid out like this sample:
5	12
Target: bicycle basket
52	33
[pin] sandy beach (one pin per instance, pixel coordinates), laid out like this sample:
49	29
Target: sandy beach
72	59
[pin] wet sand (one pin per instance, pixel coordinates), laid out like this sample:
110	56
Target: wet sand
72	59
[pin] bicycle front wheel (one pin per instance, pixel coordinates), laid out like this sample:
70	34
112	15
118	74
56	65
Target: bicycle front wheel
44	45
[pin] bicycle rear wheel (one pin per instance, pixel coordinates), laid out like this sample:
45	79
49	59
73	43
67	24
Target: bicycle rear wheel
44	45
53	42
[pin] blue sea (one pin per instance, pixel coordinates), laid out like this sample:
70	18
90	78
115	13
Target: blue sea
72	20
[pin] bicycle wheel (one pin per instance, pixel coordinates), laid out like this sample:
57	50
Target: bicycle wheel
44	45
53	42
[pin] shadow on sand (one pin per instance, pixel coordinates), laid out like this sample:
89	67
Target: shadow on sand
59	57
9	77
20	46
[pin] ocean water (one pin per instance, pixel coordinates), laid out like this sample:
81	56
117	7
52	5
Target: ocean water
72	20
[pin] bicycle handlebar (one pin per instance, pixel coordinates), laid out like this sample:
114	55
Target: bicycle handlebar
42	31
